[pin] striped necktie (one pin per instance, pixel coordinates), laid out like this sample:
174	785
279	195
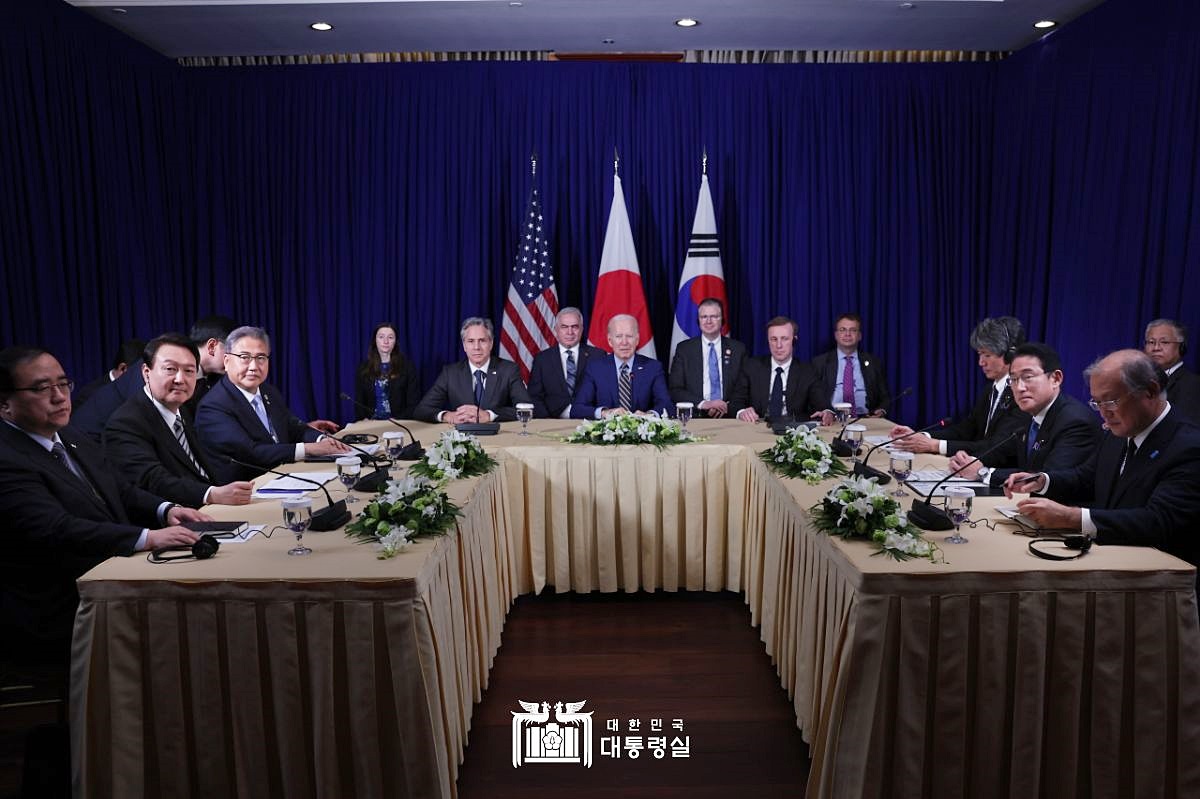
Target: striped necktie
625	388
571	367
181	437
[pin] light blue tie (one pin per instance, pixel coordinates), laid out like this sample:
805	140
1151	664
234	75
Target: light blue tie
714	373
257	404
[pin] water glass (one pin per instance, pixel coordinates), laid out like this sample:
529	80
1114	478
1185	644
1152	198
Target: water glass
524	414
958	507
842	411
393	442
900	465
349	467
683	412
853	435
297	516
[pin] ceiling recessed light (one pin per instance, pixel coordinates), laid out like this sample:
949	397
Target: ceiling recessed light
686	22
321	26
1045	23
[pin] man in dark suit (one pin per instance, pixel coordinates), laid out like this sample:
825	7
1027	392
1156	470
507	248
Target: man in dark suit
1166	344
152	438
779	387
1139	488
208	334
1062	432
129	351
63	509
244	418
848	375
623	382
996	414
706	369
479	389
554	377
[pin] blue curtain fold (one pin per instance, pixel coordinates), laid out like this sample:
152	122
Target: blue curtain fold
1056	185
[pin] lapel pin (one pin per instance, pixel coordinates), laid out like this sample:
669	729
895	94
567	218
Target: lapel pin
1153	454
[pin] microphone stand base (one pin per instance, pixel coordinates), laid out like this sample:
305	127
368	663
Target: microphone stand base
478	428
330	518
927	517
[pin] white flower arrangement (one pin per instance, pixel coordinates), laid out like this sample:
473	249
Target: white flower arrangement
406	510
858	508
454	455
800	452
630	429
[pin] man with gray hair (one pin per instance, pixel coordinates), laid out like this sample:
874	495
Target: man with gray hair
995	414
244	418
554	378
623	382
1139	488
1166	344
479	389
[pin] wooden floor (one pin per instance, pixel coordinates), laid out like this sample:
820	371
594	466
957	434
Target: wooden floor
690	656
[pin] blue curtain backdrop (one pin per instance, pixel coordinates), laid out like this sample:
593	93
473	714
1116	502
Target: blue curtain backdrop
1057	185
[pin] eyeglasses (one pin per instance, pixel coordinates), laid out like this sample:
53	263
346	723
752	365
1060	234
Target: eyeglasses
246	358
710	317
1107	405
1160	342
1027	377
64	387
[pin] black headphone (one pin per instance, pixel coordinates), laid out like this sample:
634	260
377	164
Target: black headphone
205	547
1080	543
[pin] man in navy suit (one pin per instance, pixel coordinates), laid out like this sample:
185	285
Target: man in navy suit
866	389
623	382
152	437
243	417
63	508
706	369
1139	487
1061	433
554	378
479	389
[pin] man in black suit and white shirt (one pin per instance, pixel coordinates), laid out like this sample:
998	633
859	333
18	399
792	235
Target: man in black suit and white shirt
706	369
1139	488
866	389
63	508
1062	432
996	413
152	437
779	387
245	418
557	370
479	389
1166	344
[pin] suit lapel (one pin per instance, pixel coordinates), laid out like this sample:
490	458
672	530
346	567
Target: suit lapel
164	435
1143	461
104	495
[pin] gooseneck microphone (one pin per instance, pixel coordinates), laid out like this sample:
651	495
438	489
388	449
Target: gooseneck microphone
925	515
331	517
844	449
861	468
410	452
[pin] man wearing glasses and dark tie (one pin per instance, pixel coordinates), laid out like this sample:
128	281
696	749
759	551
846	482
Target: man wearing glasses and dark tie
1166	344
245	418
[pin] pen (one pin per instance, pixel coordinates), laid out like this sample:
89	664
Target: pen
1028	479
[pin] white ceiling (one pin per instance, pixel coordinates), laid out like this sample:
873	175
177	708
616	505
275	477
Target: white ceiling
180	28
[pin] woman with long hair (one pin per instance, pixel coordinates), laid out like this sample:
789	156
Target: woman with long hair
387	380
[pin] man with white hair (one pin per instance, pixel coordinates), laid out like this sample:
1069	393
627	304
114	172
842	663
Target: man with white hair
1166	344
554	378
623	382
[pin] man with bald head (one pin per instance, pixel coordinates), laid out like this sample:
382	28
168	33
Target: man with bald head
1140	487
623	382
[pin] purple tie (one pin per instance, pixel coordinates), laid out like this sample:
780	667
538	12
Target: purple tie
848	381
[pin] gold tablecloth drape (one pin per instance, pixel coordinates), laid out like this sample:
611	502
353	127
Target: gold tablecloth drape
994	674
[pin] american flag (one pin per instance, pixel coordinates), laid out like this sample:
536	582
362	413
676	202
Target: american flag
532	298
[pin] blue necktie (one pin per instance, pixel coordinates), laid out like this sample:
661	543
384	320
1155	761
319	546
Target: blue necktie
714	373
1031	439
479	388
257	404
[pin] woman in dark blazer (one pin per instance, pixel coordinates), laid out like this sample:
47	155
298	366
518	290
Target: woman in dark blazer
386	381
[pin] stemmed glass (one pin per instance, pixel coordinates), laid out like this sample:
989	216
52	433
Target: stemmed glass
900	465
958	506
393	442
853	435
297	516
683	411
841	411
524	414
349	468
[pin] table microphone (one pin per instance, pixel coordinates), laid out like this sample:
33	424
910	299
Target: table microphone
844	449
410	452
331	517
861	469
927	517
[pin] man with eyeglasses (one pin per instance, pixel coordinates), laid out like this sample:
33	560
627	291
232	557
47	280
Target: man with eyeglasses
706	368
1166	344
1062	432
848	375
246	419
1140	486
63	509
152	437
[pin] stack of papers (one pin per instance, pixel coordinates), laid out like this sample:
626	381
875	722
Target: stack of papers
290	486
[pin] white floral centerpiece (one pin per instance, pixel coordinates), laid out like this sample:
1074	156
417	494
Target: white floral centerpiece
454	455
630	429
408	509
802	453
858	508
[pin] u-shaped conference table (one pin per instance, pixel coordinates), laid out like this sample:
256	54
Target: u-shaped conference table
338	674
